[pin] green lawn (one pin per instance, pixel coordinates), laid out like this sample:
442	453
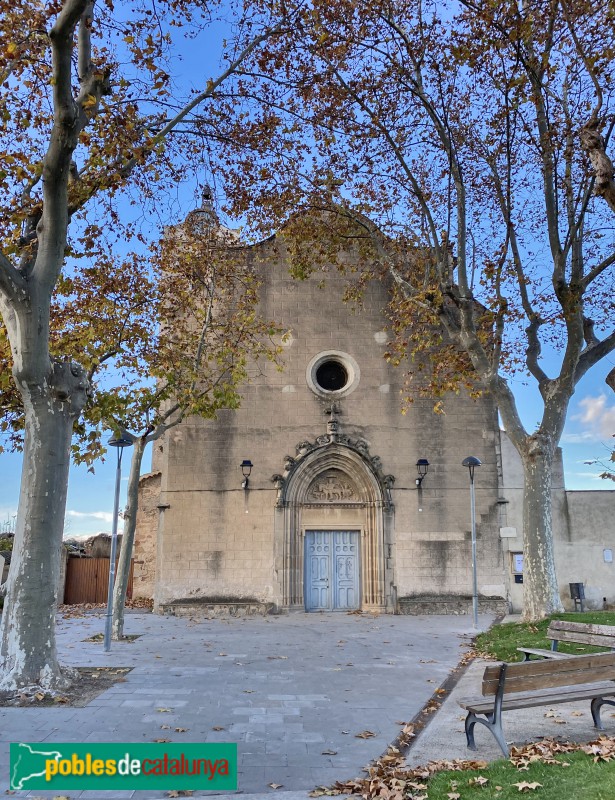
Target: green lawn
581	780
502	641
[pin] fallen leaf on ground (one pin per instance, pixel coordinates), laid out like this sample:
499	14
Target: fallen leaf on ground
159	741
329	752
164	710
165	727
525	786
480	780
275	785
364	735
218	728
180	730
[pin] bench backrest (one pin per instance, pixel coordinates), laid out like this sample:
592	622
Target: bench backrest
581	633
525	676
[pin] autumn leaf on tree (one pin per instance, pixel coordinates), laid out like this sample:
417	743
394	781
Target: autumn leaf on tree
97	135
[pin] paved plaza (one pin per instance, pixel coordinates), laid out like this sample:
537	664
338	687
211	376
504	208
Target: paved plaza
293	691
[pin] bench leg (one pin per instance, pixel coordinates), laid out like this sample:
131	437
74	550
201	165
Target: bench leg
492	723
471	721
596	705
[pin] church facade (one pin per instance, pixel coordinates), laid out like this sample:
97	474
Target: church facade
343	503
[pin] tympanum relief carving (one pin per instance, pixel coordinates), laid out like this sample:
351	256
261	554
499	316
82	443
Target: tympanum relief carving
331	487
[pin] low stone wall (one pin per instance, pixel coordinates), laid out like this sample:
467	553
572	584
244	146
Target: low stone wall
204	609
450	604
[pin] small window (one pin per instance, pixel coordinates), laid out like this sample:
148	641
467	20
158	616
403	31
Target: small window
331	376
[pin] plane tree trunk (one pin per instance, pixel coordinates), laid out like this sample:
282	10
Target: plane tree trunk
27	633
538	555
53	392
128	538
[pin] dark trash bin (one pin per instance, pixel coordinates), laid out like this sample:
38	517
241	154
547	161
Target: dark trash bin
577	593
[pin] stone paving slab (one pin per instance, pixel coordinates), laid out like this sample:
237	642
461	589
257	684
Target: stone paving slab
285	688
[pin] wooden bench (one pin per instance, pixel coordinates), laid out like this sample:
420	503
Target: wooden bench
560	630
526	684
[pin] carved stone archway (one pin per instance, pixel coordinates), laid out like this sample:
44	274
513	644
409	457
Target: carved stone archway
334	484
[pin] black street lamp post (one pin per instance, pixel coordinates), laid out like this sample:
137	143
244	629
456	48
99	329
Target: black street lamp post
471	462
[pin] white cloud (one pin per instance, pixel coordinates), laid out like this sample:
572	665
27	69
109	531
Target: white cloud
598	418
578	438
105	516
594	476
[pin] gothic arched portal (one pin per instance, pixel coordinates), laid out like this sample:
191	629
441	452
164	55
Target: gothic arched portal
335	487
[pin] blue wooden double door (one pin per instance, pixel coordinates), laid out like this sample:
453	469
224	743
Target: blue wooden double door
331	570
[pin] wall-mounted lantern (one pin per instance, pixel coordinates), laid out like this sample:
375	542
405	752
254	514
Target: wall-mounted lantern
422	467
246	470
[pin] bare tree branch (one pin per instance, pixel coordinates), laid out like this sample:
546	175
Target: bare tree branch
126	168
12	283
53	224
594	146
592	354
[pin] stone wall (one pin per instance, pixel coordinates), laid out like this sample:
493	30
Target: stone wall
587	555
217	541
583	533
145	550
